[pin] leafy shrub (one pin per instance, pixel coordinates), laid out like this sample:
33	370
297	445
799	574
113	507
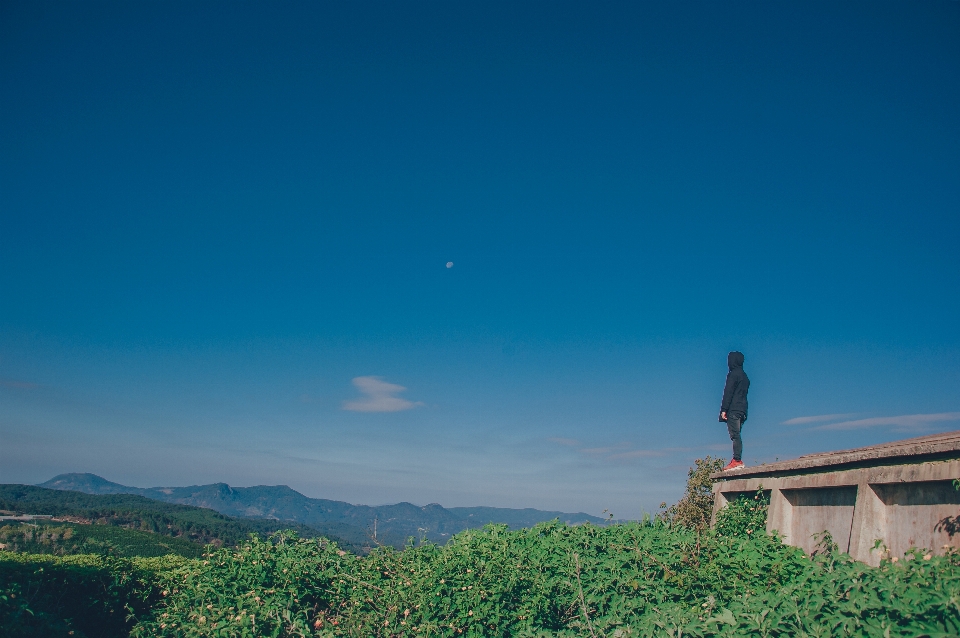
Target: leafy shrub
745	516
273	588
95	596
553	579
835	596
556	580
695	508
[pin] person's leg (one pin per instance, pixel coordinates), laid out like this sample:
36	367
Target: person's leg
733	427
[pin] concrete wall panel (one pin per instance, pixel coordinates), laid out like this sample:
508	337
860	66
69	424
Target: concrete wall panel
818	510
914	514
869	524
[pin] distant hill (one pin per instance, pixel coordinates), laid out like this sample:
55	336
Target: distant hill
393	523
88	484
196	524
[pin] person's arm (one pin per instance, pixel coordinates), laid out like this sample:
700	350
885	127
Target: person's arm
728	391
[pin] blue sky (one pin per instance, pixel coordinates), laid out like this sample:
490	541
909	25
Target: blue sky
225	229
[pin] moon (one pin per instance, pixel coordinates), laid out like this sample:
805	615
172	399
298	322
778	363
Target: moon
449	264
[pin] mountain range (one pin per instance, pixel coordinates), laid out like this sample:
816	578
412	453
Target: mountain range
198	525
384	524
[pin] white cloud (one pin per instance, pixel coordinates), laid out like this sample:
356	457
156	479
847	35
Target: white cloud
903	422
801	420
379	396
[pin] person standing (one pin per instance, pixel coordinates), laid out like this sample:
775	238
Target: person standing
733	407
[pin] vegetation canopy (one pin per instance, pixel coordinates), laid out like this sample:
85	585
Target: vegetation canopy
652	578
694	510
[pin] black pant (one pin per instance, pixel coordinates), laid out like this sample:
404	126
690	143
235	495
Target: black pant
734	423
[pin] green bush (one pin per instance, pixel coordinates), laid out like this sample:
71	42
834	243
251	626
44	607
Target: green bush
551	580
266	588
94	596
556	580
744	517
695	508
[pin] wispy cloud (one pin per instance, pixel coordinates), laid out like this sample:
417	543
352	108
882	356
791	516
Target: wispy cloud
902	422
820	418
380	396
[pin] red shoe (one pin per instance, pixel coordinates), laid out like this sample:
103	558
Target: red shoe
732	465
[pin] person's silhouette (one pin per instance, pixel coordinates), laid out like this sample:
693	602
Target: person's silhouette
733	407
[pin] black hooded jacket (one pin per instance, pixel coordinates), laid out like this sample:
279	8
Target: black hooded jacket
735	390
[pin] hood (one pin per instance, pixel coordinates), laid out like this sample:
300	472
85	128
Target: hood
735	360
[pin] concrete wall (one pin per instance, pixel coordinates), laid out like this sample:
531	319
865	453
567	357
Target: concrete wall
815	510
903	506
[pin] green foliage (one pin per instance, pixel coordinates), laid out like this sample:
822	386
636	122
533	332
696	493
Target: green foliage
553	579
695	509
665	578
556	580
261	588
65	539
102	596
744	517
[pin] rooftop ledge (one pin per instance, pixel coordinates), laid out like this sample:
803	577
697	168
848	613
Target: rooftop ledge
921	449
